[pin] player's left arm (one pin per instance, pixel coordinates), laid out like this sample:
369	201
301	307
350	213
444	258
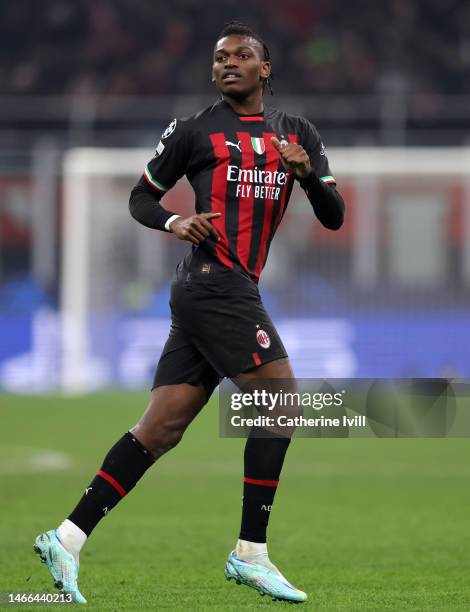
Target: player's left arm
309	163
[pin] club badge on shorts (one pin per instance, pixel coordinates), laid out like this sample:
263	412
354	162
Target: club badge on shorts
263	339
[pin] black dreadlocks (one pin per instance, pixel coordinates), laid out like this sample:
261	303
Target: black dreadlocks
240	29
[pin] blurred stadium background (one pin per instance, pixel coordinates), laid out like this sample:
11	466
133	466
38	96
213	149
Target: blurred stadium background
86	89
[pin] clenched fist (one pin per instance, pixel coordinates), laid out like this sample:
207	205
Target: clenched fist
196	228
293	157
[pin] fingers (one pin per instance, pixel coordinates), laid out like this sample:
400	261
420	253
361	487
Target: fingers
291	153
209	228
189	234
278	145
197	228
198	232
211	215
294	154
205	220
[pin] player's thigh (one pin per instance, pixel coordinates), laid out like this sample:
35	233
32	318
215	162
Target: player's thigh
181	363
227	322
275	396
275	379
280	368
183	384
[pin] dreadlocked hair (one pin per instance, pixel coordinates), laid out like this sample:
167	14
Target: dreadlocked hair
240	29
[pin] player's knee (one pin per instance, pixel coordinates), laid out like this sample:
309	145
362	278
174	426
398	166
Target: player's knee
160	437
170	435
164	436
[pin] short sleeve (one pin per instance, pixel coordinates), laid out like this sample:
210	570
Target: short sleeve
171	157
313	145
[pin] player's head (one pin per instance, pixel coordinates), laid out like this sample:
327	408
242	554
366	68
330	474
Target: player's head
240	52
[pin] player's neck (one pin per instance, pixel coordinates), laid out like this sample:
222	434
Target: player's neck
250	105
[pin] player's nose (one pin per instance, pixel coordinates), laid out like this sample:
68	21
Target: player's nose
231	62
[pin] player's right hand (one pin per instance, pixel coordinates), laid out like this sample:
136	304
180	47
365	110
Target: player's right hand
196	228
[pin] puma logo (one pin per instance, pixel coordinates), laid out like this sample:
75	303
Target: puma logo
232	144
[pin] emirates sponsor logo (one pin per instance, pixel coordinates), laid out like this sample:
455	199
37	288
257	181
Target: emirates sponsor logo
263	339
256	176
253	182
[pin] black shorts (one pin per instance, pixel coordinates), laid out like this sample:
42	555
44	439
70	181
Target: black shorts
219	328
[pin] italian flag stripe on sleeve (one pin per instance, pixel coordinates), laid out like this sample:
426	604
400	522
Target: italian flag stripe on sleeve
328	179
152	181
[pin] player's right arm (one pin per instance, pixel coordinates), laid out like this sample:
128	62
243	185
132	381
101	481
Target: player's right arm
160	174
170	162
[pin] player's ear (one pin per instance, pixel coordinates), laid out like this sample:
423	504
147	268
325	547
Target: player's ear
265	70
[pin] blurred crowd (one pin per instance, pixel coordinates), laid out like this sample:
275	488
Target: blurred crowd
123	47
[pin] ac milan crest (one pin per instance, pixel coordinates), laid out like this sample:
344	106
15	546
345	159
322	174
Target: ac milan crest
263	339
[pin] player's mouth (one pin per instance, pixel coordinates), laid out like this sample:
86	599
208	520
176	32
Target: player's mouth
231	77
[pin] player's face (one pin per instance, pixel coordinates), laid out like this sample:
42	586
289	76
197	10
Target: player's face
238	67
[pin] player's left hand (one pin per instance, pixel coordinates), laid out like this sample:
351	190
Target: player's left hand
293	157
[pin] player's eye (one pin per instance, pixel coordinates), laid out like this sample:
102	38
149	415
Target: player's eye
220	58
244	55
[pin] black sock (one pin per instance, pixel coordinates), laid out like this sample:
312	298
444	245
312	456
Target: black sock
263	463
123	466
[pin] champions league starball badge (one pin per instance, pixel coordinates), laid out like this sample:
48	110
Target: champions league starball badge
169	130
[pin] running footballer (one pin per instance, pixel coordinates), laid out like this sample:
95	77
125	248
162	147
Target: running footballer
242	159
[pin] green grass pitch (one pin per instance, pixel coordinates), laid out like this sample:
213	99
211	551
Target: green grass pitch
360	524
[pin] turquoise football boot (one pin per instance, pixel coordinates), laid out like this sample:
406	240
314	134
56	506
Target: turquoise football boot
61	564
266	580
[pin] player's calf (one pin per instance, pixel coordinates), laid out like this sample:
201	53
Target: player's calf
127	461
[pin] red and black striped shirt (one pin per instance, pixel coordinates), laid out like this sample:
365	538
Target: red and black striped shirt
235	170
